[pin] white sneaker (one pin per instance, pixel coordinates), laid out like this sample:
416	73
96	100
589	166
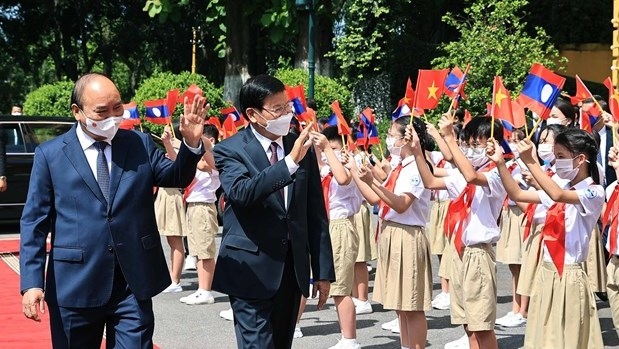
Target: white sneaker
297	332
227	314
504	319
184	299
462	343
515	321
390	325
396	328
441	301
363	307
369	268
190	263
347	344
200	297
174	287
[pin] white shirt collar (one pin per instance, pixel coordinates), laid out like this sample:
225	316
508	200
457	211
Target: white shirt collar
408	160
266	142
85	140
582	184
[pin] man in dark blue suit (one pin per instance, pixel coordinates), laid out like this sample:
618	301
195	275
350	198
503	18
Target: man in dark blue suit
92	189
275	223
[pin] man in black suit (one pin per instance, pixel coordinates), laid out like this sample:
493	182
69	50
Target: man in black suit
604	128
275	223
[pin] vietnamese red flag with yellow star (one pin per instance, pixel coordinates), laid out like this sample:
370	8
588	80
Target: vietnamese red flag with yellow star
430	88
501	102
613	99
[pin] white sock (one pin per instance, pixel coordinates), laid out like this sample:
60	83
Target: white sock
348	340
205	292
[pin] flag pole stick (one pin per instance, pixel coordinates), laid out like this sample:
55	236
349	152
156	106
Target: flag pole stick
492	127
380	148
537	123
172	128
141	129
526	127
343	142
410	122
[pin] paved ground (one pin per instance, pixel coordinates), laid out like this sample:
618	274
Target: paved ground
180	326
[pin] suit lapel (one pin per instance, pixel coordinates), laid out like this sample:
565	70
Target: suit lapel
74	152
258	157
119	156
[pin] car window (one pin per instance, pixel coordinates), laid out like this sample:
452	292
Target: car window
14	139
43	132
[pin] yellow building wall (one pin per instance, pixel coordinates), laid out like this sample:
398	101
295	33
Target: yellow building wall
591	62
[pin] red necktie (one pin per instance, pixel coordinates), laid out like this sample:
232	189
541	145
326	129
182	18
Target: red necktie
530	213
273	159
326	189
511	169
611	216
459	210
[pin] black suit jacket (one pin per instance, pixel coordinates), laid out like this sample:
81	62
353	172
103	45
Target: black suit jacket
2	152
256	226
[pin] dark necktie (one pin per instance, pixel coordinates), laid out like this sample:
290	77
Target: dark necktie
273	159
103	172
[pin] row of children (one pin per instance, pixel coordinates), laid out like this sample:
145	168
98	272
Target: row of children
541	209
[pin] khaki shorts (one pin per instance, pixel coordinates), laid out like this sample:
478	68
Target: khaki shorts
345	245
612	287
202	228
363	225
473	288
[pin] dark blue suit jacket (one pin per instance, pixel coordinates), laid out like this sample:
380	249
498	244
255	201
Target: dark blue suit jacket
86	233
257	227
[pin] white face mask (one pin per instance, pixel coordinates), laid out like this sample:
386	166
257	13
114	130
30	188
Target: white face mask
279	126
395	160
565	169
554	121
338	155
477	157
105	128
546	152
393	150
16	113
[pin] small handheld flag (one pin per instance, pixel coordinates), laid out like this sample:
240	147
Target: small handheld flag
157	112
541	90
430	87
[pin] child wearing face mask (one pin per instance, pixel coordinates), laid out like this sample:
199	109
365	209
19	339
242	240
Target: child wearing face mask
562	310
478	197
535	215
342	201
404	275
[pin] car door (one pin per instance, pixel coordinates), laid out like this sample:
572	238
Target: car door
18	167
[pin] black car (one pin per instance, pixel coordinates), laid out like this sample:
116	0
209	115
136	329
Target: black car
23	134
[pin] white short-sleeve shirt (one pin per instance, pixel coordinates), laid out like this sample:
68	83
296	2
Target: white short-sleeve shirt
481	224
436	157
579	219
344	200
409	181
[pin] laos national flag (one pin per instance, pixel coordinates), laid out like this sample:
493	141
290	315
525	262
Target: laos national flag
234	115
131	116
367	133
337	119
157	112
454	83
296	95
540	91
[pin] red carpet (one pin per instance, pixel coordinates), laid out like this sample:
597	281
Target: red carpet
16	331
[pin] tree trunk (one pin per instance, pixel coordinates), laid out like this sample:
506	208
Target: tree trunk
237	51
323	36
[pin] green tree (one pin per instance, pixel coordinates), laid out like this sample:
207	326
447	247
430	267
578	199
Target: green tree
326	90
50	100
157	86
495	41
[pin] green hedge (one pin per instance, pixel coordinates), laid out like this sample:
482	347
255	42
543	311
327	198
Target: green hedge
326	90
159	84
50	100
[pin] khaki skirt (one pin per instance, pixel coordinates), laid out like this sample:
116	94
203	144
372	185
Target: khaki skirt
446	266
595	264
509	246
531	256
562	312
170	212
363	226
403	273
437	238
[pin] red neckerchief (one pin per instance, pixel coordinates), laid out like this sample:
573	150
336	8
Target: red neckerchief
459	210
189	189
326	190
553	234
383	208
530	212
440	164
511	169
611	216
